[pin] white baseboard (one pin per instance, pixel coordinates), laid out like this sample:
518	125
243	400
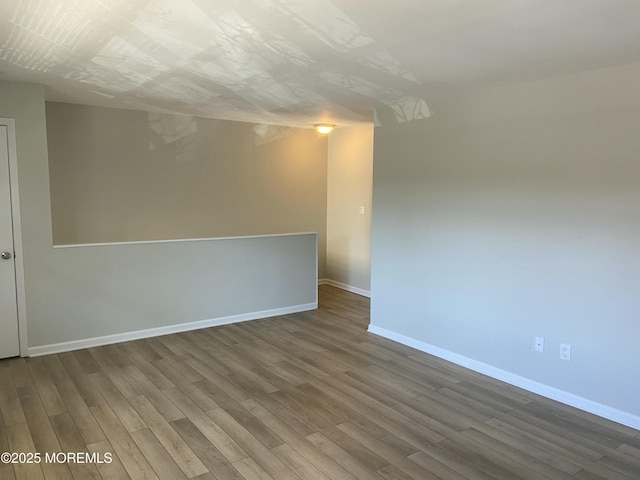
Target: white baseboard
553	393
344	286
166	330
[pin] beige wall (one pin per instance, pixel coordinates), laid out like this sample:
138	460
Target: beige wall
513	213
121	175
349	185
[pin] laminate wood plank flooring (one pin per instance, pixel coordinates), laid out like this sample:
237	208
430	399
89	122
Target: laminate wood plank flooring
305	396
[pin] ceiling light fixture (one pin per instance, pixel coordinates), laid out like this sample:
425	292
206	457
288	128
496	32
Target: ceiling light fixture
324	128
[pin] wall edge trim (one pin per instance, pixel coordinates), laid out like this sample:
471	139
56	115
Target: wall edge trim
344	286
590	406
165	330
183	240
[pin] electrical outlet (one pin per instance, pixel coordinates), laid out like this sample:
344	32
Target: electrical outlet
565	352
538	344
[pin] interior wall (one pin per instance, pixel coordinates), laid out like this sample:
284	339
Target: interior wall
513	213
349	186
76	294
109	290
123	175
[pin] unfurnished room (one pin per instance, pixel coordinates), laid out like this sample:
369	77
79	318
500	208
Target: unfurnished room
319	239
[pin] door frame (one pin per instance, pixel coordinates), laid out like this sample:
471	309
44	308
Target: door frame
17	234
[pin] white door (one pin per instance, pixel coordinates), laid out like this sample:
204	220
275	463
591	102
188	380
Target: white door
9	343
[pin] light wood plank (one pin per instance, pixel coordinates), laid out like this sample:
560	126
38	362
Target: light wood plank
401	462
164	466
20	441
123	445
109	470
10	406
117	402
71	441
250	470
298	463
264	458
179	451
49	394
210	456
296	442
342	457
225	444
44	438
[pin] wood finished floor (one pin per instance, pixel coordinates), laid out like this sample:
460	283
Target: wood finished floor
303	396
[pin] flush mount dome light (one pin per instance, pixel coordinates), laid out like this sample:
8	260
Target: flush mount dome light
324	128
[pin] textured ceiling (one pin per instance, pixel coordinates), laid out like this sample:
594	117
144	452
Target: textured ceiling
297	62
